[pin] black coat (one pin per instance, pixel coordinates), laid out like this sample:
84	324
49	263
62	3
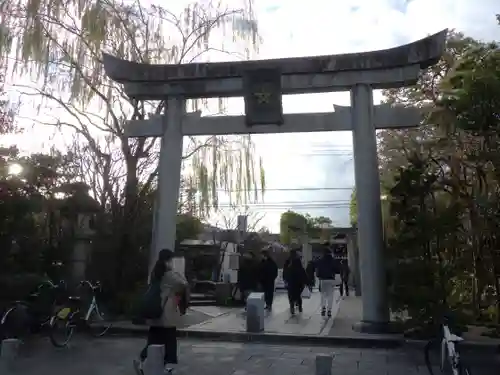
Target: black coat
268	271
344	269
294	273
248	274
311	280
327	267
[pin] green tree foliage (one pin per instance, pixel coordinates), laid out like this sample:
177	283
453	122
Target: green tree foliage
294	225
319	227
188	227
58	45
353	209
442	181
426	223
6	114
39	207
471	97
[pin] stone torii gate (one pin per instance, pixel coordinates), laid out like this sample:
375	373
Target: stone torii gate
262	84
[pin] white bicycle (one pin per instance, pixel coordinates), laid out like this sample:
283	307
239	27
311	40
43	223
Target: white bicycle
93	318
450	361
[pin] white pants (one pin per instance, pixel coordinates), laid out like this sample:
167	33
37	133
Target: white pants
327	288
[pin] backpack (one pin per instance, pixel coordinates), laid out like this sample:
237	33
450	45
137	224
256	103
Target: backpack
149	305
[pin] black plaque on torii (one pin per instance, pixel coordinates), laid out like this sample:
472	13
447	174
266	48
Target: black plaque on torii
262	94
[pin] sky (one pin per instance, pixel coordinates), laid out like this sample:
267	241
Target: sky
314	173
324	160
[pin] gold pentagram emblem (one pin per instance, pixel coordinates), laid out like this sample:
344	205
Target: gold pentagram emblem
263	97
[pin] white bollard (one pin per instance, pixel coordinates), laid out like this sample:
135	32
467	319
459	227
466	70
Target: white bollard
154	363
255	312
9	352
324	364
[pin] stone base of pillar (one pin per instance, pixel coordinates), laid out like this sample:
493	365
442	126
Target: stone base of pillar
374	327
357	291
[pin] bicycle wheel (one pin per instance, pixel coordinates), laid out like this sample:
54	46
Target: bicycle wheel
15	322
436	357
62	327
464	370
99	321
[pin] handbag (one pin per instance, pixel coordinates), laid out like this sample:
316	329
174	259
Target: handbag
149	305
306	293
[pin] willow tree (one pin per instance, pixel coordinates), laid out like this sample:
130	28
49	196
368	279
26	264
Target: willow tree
58	44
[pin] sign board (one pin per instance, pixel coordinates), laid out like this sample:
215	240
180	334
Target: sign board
262	94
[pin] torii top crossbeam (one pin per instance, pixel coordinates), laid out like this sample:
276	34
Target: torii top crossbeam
298	74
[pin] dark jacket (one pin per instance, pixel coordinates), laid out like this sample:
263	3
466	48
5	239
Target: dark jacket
248	276
326	267
268	271
311	280
294	273
344	269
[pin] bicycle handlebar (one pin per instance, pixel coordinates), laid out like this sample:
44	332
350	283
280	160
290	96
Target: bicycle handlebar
94	287
51	284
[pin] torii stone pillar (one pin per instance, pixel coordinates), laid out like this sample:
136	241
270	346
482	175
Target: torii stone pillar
262	83
164	223
370	239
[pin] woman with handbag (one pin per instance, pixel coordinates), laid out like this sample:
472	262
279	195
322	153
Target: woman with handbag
173	292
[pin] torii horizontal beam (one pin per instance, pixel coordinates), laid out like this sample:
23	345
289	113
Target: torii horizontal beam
424	52
390	68
290	84
385	116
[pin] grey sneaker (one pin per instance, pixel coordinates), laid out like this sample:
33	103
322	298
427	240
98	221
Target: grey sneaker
168	370
138	367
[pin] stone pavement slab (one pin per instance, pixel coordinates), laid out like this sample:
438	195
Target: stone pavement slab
279	320
113	356
228	324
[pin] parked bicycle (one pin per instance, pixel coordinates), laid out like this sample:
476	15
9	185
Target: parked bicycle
93	318
447	345
33	314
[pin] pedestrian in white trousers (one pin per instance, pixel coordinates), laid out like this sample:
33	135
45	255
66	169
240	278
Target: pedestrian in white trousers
327	290
326	270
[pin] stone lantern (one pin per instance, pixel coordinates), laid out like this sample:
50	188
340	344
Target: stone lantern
81	209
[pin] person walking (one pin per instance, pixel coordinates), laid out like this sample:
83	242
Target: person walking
295	278
311	279
344	277
173	292
326	270
268	275
246	276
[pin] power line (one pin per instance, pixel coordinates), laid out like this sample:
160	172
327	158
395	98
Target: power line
338	153
284	204
295	208
305	204
290	205
289	189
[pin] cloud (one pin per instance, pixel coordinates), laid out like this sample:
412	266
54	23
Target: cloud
333	27
288	28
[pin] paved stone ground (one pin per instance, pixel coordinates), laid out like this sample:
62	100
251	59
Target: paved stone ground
113	356
279	320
